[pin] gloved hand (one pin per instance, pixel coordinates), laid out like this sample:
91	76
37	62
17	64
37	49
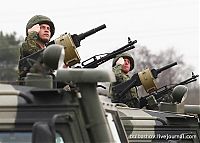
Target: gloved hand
35	28
120	61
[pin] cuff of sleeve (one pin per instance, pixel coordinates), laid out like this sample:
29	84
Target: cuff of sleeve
32	35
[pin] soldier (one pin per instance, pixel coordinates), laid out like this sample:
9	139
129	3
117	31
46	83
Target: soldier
121	66
39	31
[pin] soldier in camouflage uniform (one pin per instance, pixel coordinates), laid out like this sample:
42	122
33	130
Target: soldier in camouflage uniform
122	64
39	31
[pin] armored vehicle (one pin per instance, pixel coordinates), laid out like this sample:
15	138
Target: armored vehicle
39	111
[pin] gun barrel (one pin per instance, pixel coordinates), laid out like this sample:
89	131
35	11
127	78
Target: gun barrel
166	67
90	32
109	56
125	47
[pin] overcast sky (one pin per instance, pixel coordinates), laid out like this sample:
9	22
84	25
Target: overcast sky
156	24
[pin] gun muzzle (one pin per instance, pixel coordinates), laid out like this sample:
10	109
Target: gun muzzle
77	38
90	32
155	72
166	67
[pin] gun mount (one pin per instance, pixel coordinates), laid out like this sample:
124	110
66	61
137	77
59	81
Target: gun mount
168	89
175	94
145	78
70	43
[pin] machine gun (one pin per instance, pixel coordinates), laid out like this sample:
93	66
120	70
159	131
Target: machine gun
94	62
77	38
70	43
145	78
166	91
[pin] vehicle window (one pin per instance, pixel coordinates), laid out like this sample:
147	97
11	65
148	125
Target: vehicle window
15	137
22	137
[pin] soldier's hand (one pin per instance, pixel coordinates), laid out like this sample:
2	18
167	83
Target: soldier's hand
120	61
35	28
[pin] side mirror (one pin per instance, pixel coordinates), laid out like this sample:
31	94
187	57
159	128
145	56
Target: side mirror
42	133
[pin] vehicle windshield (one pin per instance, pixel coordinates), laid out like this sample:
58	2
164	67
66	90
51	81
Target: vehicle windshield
22	137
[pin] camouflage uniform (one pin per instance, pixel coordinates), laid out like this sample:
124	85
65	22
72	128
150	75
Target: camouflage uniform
130	98
31	45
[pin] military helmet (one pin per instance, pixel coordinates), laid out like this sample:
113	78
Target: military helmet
124	55
40	19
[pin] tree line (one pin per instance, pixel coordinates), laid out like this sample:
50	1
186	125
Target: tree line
9	55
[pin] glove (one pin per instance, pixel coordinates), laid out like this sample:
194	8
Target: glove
35	28
120	61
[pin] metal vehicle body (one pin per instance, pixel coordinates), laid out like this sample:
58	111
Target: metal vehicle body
141	125
35	114
38	113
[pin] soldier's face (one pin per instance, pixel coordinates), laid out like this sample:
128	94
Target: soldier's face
126	66
45	33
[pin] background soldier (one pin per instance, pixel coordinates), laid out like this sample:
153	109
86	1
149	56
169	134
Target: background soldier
39	31
121	66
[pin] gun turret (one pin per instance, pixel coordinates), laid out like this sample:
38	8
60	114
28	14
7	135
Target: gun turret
168	89
94	62
145	78
160	93
70	43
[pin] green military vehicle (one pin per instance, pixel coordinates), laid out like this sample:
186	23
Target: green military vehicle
39	111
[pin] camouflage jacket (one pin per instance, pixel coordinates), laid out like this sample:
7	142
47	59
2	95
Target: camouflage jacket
29	46
131	97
